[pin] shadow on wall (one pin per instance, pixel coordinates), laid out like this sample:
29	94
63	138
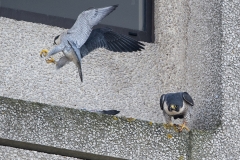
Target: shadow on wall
209	116
203	64
208	111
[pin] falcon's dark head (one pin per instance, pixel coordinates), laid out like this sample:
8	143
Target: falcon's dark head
56	40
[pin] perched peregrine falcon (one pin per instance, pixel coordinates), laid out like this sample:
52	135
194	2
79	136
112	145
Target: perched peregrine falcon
76	36
177	105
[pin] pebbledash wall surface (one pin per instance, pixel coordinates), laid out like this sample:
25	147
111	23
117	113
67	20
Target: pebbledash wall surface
196	49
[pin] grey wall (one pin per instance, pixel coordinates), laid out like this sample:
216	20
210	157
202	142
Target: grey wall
185	57
82	134
203	61
15	153
119	81
196	50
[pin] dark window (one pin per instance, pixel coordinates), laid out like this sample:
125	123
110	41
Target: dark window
132	17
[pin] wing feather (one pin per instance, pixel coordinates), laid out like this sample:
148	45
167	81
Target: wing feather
107	38
162	101
188	98
82	28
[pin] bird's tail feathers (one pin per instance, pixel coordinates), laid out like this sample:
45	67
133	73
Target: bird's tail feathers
80	71
108	112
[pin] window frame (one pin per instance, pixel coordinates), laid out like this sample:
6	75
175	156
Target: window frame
146	36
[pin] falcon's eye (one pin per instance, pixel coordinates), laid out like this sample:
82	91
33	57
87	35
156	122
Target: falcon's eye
54	41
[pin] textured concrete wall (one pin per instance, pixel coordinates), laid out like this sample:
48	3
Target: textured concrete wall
10	153
82	134
196	50
225	142
129	82
203	61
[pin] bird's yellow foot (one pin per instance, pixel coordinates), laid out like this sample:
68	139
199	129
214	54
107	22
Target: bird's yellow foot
50	60
150	123
182	126
170	126
131	119
115	118
44	52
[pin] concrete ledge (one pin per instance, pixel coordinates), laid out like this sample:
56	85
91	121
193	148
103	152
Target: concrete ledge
82	134
16	153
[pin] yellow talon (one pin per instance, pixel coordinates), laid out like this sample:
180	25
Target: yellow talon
181	158
50	60
131	119
169	136
44	52
175	128
168	125
182	126
115	118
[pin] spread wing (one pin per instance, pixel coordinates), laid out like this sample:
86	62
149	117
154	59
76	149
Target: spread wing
84	23
107	38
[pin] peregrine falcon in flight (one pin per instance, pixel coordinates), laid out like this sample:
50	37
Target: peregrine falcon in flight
177	105
80	40
75	37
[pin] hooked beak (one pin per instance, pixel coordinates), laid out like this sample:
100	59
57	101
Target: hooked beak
173	107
